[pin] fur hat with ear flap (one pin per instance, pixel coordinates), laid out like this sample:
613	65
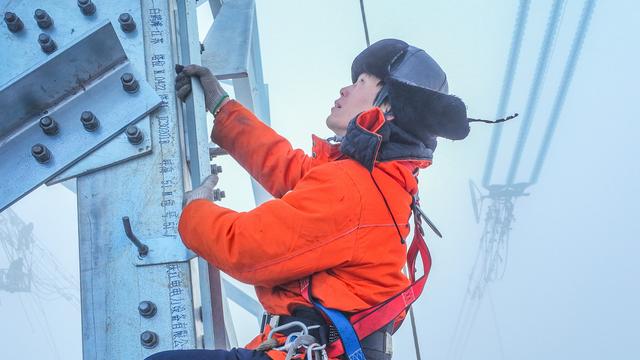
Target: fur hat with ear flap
416	88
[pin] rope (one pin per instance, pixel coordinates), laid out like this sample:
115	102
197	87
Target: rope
388	208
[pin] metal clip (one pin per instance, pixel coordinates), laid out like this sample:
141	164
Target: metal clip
317	352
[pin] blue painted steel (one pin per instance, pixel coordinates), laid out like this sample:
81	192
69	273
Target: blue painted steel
507	84
83	76
69	24
567	75
536	87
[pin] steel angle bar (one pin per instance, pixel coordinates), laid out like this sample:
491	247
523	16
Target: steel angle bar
226	46
232	51
197	150
83	79
245	301
148	191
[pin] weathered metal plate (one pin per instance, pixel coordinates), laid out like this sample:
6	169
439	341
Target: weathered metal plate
85	75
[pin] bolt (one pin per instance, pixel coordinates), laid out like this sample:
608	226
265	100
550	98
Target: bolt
216	151
87	7
147	309
48	125
89	121
216	169
43	19
46	43
41	153
126	22
129	83
149	339
218	195
134	135
13	22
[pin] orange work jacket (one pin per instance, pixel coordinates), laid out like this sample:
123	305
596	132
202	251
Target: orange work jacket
327	219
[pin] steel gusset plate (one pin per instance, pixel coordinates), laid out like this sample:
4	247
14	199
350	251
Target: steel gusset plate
82	76
69	24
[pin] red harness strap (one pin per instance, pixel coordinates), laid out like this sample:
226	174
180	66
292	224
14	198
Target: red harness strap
370	320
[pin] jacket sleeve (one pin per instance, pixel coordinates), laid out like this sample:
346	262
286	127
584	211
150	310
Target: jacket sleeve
267	156
310	229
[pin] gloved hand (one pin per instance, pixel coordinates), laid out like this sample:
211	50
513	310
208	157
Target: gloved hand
205	191
214	94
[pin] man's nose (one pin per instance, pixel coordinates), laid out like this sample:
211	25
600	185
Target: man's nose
343	91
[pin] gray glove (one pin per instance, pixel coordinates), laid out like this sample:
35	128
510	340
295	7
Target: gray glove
206	191
214	94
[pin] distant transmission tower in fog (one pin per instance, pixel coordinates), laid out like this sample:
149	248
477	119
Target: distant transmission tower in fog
30	267
491	259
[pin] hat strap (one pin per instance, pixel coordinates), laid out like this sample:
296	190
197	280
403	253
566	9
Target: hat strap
494	121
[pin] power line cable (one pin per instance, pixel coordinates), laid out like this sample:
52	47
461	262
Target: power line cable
364	22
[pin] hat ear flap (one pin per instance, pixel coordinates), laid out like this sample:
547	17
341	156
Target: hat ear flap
424	112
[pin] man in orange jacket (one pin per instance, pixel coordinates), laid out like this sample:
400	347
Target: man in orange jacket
340	216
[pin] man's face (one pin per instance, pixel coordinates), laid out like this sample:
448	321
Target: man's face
353	100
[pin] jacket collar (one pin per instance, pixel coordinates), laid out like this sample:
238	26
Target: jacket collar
371	141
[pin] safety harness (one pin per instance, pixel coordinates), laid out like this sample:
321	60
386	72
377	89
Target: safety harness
355	327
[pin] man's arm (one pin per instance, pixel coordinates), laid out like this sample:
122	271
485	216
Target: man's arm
311	229
266	155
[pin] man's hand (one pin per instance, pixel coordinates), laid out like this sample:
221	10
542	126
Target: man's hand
214	94
204	191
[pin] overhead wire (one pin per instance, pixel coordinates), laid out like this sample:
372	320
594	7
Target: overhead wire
507	85
364	22
565	82
536	87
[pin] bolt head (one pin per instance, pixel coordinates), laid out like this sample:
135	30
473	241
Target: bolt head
86	116
10	17
44	38
147	309
129	83
124	18
127	78
149	339
40	153
46	121
37	149
40	14
132	130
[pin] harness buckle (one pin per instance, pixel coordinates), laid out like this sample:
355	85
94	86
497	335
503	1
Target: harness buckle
317	352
